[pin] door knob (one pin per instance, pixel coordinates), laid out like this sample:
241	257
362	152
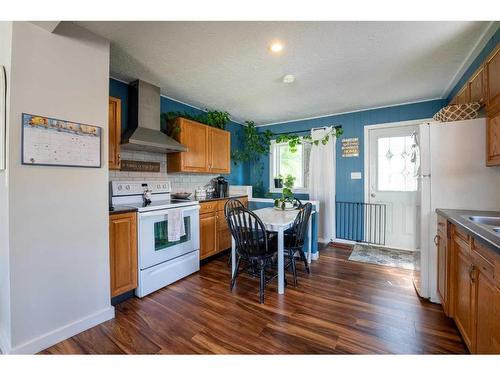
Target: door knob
372	195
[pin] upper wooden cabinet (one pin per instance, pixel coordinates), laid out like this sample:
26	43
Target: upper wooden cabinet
493	138
209	149
114	122
493	78
123	252
463	96
477	87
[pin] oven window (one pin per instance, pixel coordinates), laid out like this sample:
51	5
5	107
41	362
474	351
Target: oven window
161	234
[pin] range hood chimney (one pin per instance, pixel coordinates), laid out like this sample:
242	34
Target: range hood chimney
143	131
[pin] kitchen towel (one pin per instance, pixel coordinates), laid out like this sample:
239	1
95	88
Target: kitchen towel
176	227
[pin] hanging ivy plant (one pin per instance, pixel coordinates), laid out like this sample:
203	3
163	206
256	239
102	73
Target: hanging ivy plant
294	140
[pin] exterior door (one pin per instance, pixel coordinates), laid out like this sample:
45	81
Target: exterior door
392	181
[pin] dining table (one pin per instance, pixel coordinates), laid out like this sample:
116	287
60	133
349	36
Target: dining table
276	220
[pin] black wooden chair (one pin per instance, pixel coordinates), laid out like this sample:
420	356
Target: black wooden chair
252	245
230	205
295	239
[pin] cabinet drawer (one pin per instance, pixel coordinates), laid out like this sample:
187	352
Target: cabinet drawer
462	234
485	267
221	204
482	249
207	207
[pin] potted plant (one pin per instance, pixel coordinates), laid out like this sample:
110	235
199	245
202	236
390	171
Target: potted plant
287	200
278	181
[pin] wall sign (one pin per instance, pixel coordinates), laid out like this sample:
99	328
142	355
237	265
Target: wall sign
139	166
54	142
350	147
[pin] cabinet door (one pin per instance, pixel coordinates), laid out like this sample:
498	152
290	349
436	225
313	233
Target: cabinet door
208	234
485	312
442	269
493	139
477	89
463	96
493	78
464	295
223	233
123	252
220	151
195	137
114	132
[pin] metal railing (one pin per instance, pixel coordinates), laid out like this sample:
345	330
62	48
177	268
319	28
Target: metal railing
361	222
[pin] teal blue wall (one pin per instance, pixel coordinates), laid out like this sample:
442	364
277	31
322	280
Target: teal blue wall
238	175
490	45
353	125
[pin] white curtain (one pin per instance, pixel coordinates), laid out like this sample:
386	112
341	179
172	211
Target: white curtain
322	183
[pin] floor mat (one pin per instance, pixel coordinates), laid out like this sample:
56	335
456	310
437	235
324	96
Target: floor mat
384	257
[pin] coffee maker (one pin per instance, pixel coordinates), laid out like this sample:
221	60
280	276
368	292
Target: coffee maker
221	187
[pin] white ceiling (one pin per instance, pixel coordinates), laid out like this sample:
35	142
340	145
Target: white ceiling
339	66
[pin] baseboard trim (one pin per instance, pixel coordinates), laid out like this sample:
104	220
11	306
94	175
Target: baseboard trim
51	338
4	343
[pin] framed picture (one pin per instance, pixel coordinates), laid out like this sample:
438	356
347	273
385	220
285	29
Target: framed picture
53	142
3	115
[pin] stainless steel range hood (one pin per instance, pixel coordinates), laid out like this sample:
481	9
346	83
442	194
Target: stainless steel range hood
143	130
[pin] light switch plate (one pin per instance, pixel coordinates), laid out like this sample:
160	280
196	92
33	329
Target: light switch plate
355	175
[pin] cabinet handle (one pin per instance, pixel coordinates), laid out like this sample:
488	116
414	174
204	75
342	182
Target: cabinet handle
472	268
436	239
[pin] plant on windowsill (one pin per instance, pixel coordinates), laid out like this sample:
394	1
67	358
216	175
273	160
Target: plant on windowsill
287	200
278	182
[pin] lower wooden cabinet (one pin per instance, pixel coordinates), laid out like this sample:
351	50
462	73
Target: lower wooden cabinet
214	232
123	252
468	284
208	234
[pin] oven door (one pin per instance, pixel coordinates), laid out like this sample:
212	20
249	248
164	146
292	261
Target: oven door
154	246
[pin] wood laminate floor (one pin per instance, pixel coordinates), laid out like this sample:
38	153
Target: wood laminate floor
342	307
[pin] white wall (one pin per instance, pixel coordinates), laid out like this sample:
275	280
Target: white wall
5	56
59	257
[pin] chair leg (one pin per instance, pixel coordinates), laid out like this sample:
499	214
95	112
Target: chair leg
233	278
262	284
304	259
294	270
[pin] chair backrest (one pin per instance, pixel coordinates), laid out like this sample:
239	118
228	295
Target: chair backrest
300	224
249	233
231	204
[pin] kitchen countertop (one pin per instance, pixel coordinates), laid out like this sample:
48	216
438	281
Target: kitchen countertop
121	210
455	216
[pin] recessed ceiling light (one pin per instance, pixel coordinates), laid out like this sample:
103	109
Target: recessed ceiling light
289	78
276	47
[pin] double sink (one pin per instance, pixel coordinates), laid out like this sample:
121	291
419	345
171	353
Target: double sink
490	223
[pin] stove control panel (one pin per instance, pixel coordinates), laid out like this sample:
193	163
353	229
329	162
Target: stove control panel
119	188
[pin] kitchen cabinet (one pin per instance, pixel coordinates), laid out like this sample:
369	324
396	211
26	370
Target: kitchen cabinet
492	67
123	252
214	232
443	262
464	307
477	87
209	149
114	132
493	137
470	288
463	96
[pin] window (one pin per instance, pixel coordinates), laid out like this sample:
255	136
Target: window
395	168
284	162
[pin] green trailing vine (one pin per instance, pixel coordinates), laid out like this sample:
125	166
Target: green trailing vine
216	119
294	140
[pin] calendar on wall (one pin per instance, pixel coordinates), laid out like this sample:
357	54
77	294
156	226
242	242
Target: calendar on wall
53	142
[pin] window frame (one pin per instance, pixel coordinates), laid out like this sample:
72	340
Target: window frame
273	163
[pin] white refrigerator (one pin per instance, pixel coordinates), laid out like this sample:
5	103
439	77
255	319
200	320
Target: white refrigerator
452	175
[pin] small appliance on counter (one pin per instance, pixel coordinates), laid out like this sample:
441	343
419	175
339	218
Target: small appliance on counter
221	187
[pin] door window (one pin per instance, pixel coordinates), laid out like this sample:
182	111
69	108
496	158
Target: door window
161	234
395	168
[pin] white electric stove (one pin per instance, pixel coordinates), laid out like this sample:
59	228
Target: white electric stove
160	261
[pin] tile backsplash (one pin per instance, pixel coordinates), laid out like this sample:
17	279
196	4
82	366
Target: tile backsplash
180	181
